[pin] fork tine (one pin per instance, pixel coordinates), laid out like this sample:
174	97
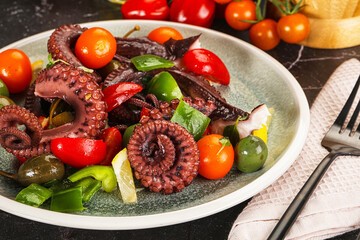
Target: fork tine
354	117
345	111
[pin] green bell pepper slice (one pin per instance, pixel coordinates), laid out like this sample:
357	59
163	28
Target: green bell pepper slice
193	120
89	187
164	87
149	62
105	174
68	200
33	195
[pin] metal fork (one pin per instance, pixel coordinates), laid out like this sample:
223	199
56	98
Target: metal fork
341	139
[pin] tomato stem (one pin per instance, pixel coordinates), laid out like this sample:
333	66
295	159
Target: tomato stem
260	15
225	142
288	7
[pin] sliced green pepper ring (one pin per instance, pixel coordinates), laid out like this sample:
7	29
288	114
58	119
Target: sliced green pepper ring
150	62
105	174
164	87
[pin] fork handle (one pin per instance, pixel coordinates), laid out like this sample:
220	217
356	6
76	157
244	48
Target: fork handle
301	199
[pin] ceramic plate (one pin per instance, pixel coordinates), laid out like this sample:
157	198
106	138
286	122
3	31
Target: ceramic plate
255	78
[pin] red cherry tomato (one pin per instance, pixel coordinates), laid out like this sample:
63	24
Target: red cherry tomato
113	139
222	1
216	160
78	152
293	28
145	9
199	12
264	34
205	62
237	11
15	70
162	34
95	47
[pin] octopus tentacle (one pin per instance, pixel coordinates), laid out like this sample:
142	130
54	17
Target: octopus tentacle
74	86
123	115
12	115
80	90
61	41
14	140
150	150
151	98
139	103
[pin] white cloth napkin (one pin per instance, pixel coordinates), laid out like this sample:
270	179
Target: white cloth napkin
334	207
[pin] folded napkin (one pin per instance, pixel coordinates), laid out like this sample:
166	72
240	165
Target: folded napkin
334	207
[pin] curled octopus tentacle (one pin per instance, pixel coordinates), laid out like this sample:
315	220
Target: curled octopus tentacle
80	90
22	144
164	156
61	42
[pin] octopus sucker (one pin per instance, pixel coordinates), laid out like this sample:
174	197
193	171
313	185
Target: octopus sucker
162	166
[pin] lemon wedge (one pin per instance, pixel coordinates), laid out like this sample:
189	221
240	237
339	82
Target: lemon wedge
262	132
36	68
124	177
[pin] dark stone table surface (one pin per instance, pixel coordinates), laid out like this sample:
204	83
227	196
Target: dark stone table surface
22	18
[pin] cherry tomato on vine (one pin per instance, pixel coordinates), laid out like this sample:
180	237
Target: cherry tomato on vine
15	70
199	12
95	47
237	11
264	34
208	64
293	28
162	34
216	156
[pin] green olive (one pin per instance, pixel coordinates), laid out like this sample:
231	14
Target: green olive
3	89
251	153
40	169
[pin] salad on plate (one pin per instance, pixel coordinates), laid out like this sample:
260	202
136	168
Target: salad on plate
123	114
